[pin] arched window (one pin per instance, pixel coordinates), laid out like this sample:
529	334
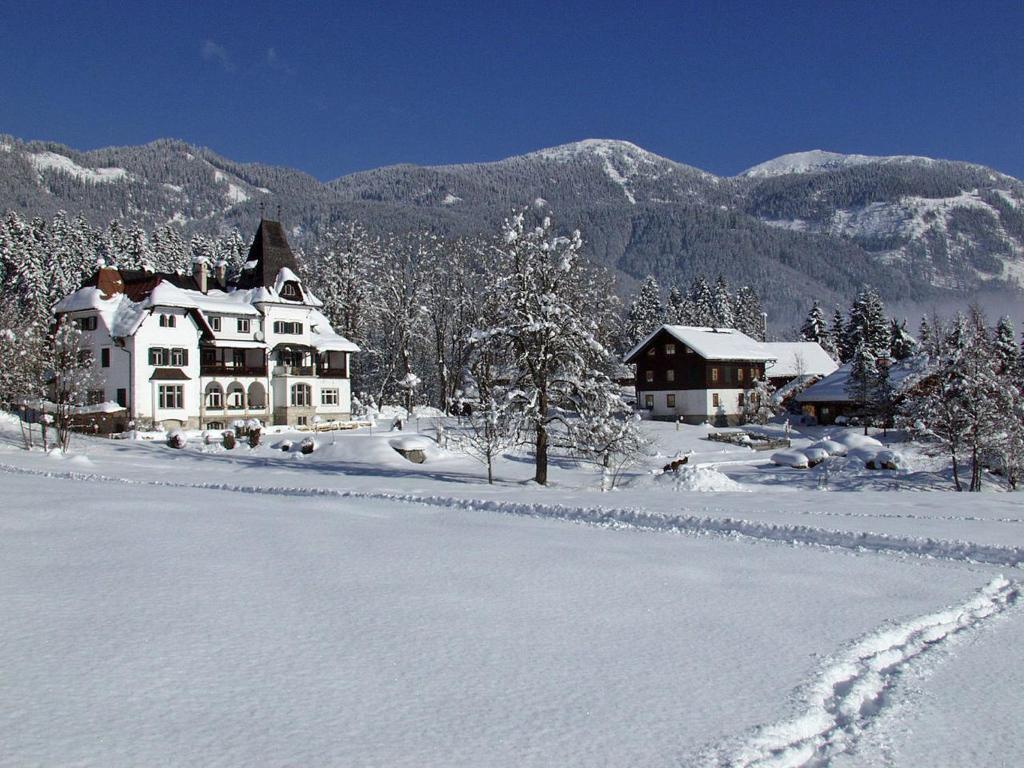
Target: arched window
214	395
257	396
236	396
301	395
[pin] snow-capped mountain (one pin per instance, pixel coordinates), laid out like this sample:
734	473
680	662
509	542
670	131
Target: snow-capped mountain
809	224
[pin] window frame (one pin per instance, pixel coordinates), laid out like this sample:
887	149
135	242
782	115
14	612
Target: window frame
670	400
330	396
649	376
242	325
294	398
168	320
171	397
105	357
670	375
215	323
649	402
670	348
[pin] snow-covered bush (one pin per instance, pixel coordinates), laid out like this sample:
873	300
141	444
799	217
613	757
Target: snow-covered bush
855	440
254	437
177	439
815	455
831	447
703	479
885	460
228	439
308	445
794	459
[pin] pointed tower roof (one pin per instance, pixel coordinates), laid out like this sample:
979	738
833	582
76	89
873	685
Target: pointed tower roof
268	255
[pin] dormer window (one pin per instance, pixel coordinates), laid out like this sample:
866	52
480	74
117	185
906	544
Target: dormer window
291	291
86	323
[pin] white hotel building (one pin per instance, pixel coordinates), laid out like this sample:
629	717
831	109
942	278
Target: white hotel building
195	351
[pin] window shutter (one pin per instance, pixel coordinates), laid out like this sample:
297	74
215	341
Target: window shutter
184	357
152	356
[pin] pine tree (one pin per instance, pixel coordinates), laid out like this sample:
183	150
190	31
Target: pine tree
748	313
645	313
901	343
815	327
867	324
677	312
701	302
721	306
862	383
1007	356
838	335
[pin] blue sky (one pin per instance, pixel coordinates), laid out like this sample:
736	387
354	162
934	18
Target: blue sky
332	88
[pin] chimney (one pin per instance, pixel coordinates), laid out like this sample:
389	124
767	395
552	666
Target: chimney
220	273
200	273
109	282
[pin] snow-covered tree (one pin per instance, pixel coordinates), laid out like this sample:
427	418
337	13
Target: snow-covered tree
71	377
606	432
677	311
862	383
758	406
960	406
867	324
901	343
645	313
815	327
551	326
721	306
701	302
837	332
748	314
1005	347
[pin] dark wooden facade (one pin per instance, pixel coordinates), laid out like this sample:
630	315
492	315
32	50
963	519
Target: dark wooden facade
665	363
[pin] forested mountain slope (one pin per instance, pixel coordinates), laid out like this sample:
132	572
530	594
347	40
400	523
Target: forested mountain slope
815	224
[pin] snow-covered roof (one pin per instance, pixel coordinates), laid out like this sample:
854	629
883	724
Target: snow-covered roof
796	358
832	389
710	343
224	302
167	295
324	337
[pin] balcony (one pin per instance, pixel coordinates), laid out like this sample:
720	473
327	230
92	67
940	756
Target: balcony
220	369
332	373
294	370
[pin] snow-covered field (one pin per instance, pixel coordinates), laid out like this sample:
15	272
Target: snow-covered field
349	607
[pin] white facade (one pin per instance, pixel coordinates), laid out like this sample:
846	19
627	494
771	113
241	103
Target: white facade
181	357
695	404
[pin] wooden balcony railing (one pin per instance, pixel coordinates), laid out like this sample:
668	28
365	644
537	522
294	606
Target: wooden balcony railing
220	369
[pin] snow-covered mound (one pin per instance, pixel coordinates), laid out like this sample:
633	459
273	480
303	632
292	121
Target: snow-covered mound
794	459
832	447
703	479
855	440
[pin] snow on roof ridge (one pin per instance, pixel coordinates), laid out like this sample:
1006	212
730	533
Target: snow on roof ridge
710	343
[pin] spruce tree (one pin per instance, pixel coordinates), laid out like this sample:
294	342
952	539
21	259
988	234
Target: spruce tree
721	306
645	313
901	343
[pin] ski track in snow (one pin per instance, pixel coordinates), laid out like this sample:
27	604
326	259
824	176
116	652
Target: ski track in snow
852	689
963	551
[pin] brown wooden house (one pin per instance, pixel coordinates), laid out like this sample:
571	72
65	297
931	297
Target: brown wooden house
697	374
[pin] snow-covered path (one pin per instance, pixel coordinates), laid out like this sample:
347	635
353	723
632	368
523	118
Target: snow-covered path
201	626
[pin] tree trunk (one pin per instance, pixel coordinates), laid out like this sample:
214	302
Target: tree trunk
975	470
541	456
490	470
956	472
